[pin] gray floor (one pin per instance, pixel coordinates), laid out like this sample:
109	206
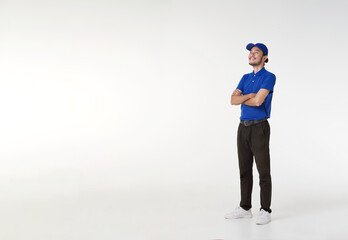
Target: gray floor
178	212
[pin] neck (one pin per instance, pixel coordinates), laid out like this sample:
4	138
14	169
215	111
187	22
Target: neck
258	68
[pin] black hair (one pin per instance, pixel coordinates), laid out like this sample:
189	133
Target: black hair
266	59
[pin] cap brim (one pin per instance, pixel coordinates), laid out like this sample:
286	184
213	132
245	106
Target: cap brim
250	46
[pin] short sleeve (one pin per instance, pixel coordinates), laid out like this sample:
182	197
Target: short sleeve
241	84
269	82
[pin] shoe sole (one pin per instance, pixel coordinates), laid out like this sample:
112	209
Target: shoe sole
239	217
263	223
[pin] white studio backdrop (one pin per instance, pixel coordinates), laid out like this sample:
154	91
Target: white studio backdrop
122	96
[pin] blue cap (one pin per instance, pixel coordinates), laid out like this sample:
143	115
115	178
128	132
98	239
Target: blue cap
260	46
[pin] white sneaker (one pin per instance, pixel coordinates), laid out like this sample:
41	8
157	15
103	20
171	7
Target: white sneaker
263	218
239	213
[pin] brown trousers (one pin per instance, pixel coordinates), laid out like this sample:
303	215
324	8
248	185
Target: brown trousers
253	141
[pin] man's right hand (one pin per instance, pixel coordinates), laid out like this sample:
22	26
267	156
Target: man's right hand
237	92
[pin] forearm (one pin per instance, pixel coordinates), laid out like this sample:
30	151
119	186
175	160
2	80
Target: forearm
237	100
253	102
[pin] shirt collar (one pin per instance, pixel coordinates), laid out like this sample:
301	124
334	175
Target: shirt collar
263	70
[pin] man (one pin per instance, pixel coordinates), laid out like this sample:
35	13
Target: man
254	93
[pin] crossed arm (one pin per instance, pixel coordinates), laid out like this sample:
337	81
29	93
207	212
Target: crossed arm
251	99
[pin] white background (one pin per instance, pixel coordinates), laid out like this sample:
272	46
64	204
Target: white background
116	122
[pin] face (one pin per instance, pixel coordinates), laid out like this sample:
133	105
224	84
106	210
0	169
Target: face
256	57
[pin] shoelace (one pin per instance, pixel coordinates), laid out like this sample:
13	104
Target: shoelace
262	213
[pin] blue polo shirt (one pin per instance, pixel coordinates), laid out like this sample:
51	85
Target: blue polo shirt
252	83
